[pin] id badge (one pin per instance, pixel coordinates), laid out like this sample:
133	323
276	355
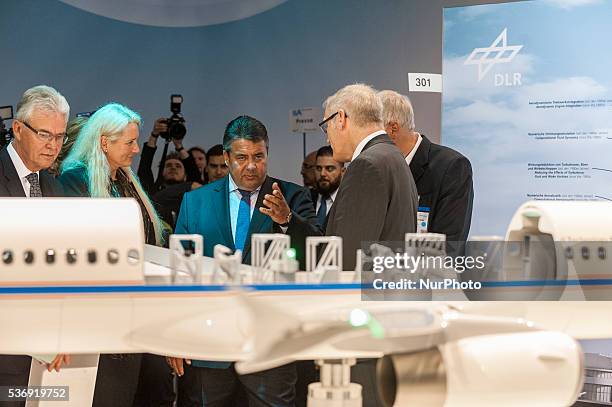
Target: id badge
422	219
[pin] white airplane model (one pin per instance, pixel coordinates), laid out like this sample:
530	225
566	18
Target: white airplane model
73	279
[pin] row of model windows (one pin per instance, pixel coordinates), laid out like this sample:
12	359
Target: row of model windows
585	253
70	256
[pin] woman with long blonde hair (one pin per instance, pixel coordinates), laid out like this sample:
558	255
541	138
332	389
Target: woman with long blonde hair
98	166
99	163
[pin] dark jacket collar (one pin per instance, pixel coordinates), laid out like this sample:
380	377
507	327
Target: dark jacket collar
11	178
381	138
420	161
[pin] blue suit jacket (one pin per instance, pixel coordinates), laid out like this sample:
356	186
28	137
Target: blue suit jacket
205	211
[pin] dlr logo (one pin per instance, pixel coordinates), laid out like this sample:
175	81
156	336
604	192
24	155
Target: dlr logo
506	80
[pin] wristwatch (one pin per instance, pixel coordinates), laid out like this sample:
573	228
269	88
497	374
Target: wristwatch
286	221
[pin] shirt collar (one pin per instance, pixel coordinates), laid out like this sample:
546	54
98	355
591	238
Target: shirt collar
20	167
412	152
233	187
333	195
365	141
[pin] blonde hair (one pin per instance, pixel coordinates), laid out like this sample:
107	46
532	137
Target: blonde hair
397	108
359	101
108	121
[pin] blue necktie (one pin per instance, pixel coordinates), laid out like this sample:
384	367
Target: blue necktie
244	220
322	213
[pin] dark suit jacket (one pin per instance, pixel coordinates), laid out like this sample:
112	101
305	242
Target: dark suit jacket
376	201
10	184
205	211
444	180
14	369
314	195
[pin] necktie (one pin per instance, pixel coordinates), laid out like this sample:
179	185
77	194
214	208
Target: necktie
322	213
35	191
244	220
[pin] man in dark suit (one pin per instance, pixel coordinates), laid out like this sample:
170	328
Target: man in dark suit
377	198
39	128
443	176
328	174
228	212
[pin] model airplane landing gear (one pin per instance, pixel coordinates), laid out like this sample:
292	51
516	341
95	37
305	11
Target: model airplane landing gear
335	388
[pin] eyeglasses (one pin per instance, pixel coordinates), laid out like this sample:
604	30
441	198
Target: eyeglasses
46	136
323	125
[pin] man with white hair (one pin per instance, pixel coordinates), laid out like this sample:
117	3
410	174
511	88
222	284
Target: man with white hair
443	176
40	130
377	198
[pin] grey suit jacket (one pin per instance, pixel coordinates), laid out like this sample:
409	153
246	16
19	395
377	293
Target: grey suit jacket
376	201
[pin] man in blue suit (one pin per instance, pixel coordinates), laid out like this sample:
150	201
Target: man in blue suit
228	212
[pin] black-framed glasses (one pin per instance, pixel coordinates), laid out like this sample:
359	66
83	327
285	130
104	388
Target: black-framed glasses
323	125
46	136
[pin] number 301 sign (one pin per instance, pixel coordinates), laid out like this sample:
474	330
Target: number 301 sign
425	82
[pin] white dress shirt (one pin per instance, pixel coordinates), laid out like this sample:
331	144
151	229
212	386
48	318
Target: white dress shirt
22	170
365	141
412	152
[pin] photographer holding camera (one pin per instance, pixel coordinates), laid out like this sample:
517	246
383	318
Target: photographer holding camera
145	173
178	170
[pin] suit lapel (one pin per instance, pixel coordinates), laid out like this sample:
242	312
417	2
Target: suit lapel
221	209
13	183
260	223
420	160
47	184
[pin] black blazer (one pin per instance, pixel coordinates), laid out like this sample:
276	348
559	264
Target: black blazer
17	366
314	195
444	180
10	184
376	201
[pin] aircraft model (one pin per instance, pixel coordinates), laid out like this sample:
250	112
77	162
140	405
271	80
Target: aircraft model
95	288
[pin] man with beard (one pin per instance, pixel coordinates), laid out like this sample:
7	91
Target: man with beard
328	174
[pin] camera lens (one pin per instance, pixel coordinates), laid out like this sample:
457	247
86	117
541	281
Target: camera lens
177	131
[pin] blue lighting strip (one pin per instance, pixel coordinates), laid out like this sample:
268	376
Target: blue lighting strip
131	289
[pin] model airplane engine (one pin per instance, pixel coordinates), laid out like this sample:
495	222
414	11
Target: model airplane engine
559	241
71	240
543	367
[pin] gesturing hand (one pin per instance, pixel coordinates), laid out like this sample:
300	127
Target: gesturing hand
276	206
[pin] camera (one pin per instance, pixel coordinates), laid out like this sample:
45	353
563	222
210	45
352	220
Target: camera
176	127
6	113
